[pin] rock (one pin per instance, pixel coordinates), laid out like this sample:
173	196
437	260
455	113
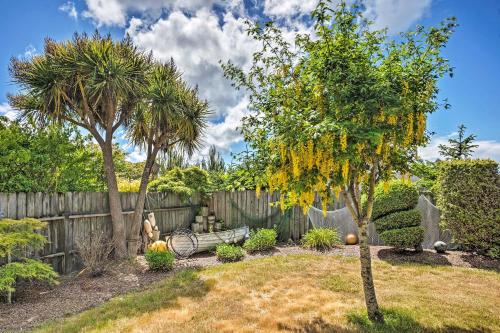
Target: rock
440	247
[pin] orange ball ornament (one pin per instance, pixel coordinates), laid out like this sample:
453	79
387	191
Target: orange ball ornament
351	239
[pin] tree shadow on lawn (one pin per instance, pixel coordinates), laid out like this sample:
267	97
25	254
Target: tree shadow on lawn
395	257
396	321
163	294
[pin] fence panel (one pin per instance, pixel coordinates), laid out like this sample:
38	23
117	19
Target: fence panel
73	216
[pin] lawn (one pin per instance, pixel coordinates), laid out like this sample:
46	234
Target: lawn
301	293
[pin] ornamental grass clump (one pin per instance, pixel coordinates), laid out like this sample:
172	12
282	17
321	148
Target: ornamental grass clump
321	239
261	240
229	253
18	238
159	258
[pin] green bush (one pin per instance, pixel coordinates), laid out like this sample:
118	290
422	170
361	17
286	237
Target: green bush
17	239
398	220
321	239
403	238
468	195
160	260
400	196
261	240
229	253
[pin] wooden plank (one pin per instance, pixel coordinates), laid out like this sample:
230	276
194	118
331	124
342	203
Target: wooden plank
21	205
12	205
3	204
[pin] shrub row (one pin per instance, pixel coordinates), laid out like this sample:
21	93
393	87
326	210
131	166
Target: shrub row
468	195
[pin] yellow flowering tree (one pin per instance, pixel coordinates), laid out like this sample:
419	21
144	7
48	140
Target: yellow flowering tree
340	110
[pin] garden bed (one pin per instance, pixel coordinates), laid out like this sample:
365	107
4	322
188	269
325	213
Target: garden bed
76	293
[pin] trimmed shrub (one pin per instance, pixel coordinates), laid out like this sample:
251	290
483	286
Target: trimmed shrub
261	240
398	220
160	260
469	199
400	196
321	239
229	253
404	237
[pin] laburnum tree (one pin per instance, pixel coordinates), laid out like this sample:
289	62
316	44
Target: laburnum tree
340	110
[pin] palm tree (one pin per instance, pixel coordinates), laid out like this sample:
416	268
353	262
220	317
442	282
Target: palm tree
171	116
90	81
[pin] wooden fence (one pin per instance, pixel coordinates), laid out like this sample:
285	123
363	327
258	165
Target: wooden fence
244	208
75	215
71	216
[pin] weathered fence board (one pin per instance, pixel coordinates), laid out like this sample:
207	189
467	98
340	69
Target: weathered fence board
240	208
73	216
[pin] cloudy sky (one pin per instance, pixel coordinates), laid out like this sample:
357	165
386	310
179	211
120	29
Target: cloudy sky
200	33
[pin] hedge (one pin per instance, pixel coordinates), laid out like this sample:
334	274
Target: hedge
400	196
403	219
404	237
468	195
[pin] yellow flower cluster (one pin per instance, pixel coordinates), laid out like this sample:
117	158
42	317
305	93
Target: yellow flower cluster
420	126
343	141
409	131
392	120
258	191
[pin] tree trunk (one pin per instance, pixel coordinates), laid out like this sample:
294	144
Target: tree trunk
139	206
115	206
374	313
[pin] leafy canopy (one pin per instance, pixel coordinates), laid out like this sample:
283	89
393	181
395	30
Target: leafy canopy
341	107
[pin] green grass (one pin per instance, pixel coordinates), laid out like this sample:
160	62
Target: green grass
303	293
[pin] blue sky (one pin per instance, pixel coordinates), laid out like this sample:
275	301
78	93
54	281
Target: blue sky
197	33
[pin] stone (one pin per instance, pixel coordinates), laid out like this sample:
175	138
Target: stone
440	247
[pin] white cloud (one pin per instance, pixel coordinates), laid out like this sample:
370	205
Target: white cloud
197	43
396	15
487	148
136	155
70	9
7	111
115	12
29	51
284	8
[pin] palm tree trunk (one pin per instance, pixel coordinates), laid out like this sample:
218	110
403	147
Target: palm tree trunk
115	206
374	313
141	199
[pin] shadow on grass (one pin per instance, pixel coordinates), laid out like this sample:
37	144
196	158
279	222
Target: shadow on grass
396	321
163	294
395	257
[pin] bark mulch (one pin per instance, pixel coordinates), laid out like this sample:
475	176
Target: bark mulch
75	293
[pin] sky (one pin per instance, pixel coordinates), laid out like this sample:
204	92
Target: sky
200	33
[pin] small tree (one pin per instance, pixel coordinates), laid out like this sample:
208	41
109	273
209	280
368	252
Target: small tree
93	82
341	111
214	162
17	238
459	148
